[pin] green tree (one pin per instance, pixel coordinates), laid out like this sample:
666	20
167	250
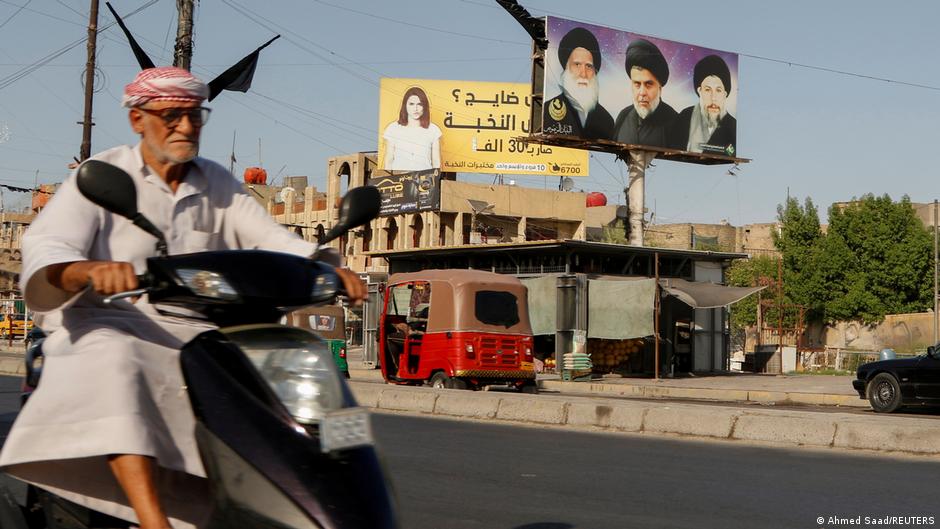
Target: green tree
749	273
878	260
800	240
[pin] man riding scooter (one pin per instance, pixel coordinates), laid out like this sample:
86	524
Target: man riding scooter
110	427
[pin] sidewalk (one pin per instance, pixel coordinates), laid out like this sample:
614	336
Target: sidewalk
825	390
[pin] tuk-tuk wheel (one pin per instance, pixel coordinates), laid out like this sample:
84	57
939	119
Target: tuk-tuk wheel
530	387
442	381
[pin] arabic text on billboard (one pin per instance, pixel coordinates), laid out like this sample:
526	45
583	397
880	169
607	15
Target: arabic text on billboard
409	192
467	127
605	84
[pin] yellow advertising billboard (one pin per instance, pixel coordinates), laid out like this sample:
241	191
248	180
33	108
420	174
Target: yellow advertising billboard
465	127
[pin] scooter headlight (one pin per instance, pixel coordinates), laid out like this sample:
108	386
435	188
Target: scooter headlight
207	283
305	379
302	373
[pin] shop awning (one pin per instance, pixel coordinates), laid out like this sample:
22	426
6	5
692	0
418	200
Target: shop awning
703	295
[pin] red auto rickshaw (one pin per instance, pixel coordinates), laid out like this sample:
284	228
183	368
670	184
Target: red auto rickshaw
456	329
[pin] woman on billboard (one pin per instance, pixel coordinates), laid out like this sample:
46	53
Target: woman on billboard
413	143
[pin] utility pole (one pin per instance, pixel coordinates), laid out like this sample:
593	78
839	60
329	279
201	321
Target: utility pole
183	51
87	124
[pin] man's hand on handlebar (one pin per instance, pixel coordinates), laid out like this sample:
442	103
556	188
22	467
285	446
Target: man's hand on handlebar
355	289
105	277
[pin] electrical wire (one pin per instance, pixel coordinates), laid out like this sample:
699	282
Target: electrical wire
748	55
294	38
428	28
38	12
17	12
20	74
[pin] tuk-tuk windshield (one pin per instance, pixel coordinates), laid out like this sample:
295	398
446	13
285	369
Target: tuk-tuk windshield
496	308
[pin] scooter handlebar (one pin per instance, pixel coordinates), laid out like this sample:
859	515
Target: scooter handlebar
144	282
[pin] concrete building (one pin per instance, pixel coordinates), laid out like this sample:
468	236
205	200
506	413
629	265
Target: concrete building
507	213
751	239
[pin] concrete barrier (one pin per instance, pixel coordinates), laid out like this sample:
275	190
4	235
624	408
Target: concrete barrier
607	414
455	403
533	410
714	422
781	427
902	436
418	400
796	429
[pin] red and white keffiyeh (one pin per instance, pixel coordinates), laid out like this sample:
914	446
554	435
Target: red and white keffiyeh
165	83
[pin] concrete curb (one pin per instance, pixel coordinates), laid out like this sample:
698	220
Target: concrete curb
730	395
12	366
783	427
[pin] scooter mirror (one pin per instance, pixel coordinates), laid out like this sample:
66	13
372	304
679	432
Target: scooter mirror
113	189
108	186
359	206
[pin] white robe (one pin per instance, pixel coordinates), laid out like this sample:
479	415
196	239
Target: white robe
111	382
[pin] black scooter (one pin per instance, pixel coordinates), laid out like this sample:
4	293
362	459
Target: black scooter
279	432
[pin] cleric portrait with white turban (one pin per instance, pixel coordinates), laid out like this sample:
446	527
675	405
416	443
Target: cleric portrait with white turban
577	110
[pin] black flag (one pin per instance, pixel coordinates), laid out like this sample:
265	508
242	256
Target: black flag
238	77
142	59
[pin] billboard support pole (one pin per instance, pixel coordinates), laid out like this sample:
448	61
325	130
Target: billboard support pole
636	194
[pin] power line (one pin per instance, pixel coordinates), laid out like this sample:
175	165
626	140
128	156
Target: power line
748	55
620	178
17	12
428	28
24	8
254	16
24	72
841	72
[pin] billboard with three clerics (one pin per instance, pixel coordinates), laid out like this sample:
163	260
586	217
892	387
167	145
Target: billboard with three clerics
606	84
465	127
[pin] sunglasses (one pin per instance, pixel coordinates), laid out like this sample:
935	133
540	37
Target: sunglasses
198	116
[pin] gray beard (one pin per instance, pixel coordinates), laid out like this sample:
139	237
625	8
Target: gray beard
643	112
711	121
583	98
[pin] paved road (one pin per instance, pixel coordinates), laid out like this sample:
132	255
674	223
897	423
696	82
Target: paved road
474	475
463	475
9	403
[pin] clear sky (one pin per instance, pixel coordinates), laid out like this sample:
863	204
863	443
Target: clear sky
809	132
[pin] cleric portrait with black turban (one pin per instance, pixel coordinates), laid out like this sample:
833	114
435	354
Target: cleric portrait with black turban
577	110
707	127
649	118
